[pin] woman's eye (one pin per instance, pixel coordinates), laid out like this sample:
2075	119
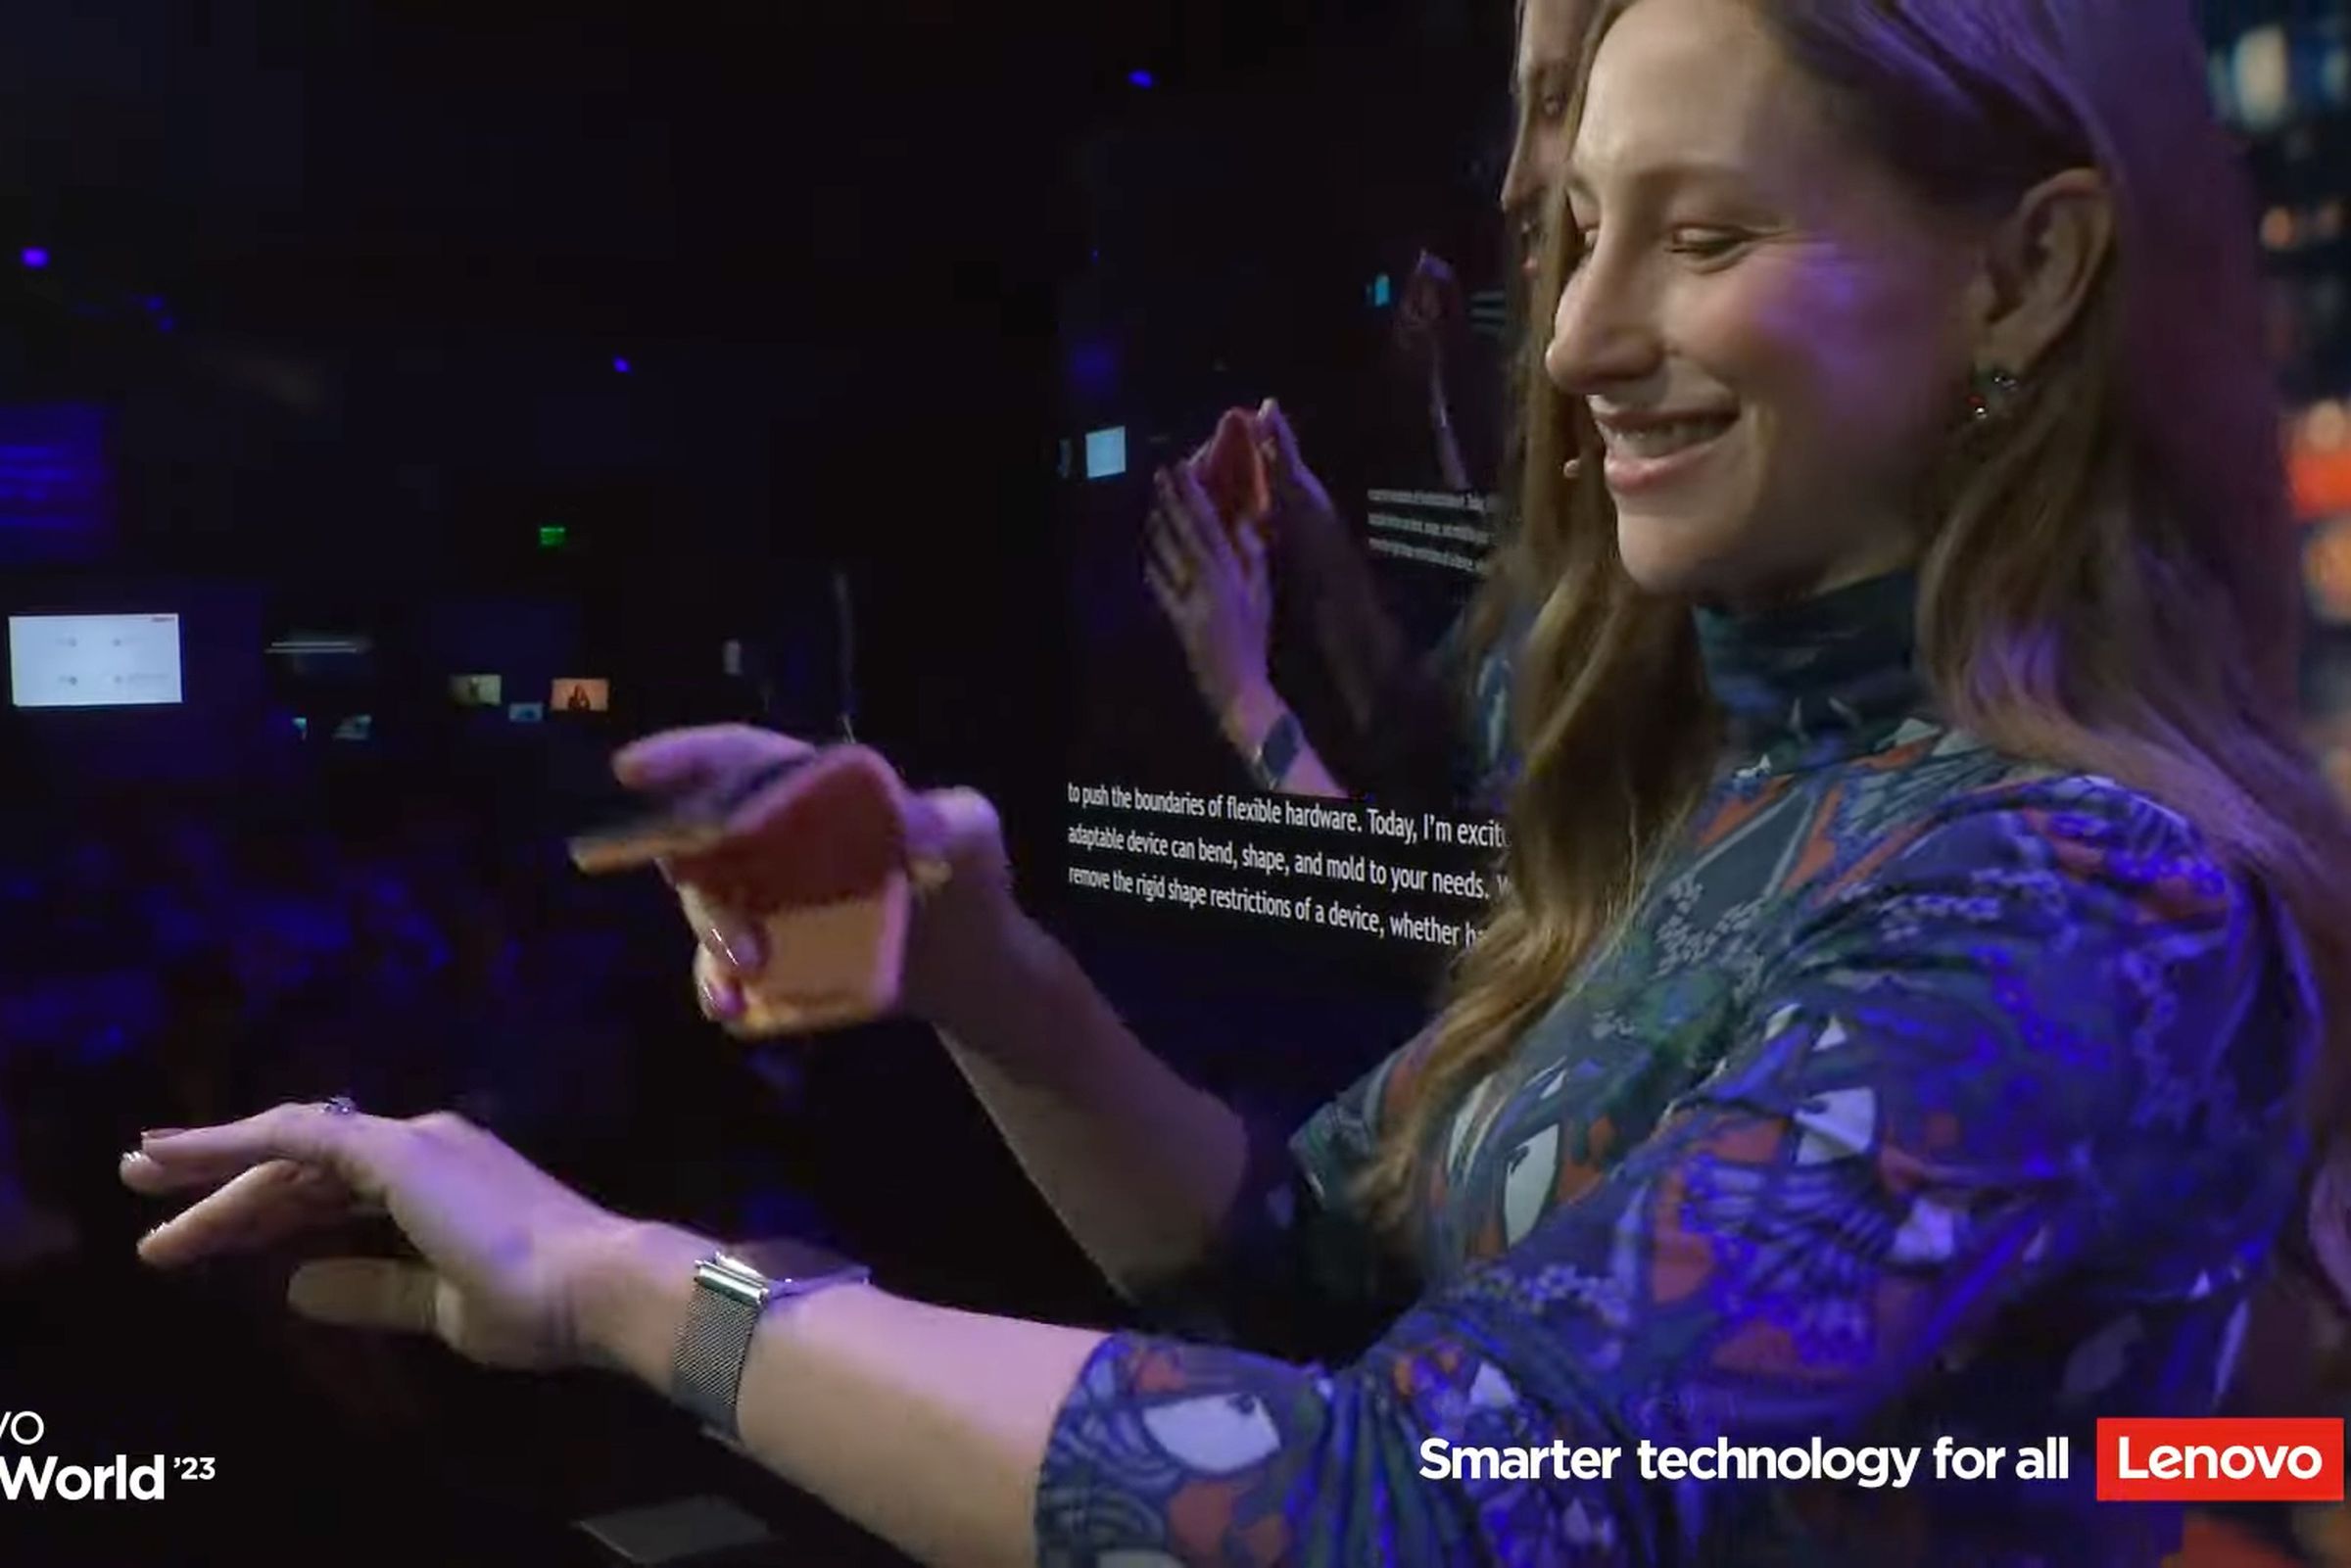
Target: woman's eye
1706	244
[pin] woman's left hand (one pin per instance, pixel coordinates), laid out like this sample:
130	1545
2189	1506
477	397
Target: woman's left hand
505	1247
1216	592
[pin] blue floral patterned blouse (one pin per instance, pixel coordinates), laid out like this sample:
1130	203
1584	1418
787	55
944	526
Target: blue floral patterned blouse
1927	1093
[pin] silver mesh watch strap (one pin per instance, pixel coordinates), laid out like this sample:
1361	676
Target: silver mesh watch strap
730	1296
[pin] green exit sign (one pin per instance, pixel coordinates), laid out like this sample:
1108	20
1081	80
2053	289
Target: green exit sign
551	536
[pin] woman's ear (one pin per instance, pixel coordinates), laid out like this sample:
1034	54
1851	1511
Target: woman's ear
2040	266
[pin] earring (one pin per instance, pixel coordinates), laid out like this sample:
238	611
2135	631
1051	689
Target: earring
1990	392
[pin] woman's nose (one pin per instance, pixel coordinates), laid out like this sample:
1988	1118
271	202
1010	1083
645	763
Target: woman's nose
1602	334
1521	182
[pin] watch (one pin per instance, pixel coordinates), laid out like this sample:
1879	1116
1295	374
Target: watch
732	1288
1278	752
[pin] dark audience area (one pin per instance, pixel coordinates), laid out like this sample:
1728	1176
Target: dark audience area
179	957
585	346
426	331
180	960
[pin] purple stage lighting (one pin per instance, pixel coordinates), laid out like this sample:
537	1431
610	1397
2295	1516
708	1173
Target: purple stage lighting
35	257
1141	78
621	366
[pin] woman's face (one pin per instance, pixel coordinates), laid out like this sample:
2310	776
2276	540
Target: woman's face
1551	35
1771	335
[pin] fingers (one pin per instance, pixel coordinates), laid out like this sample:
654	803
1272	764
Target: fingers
1255	580
1279	443
308	1134
144	1174
1173	534
679	760
944	824
1181	486
717	989
1166	555
728	950
1188	526
1249	552
368	1293
731	940
259	1209
1172	601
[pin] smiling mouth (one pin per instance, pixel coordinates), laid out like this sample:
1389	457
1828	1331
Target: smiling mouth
1660	452
1650	443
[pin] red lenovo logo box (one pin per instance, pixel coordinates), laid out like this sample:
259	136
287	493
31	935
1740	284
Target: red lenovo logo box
2297	1459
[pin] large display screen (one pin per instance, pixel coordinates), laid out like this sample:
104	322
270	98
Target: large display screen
94	662
1252	245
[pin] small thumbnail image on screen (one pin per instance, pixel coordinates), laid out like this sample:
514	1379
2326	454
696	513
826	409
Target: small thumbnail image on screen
1106	452
357	727
574	696
526	712
478	690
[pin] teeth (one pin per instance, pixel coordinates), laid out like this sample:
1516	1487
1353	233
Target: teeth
1664	441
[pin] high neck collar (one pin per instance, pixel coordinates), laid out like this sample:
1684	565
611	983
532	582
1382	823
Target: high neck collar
1818	680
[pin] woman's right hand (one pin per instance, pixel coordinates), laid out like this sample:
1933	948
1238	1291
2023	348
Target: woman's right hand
957	926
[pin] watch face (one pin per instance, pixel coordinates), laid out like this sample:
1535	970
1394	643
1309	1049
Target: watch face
1281	747
782	1258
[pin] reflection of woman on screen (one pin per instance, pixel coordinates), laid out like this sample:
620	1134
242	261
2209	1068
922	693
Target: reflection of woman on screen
578	701
1430	322
1429	728
1420	724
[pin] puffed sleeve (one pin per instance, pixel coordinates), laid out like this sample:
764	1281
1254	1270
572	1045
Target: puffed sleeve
2049	1036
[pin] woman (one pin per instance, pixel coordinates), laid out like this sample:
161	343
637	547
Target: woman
1922	939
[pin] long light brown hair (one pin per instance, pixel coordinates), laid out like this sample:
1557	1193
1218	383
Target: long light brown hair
2110	579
